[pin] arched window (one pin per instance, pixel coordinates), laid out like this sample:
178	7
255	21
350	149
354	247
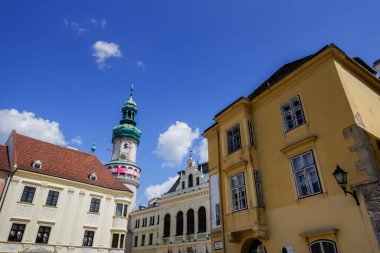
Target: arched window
167	225
323	246
179	230
190	222
201	220
190	180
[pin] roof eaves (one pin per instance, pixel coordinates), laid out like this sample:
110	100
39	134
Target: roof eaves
70	179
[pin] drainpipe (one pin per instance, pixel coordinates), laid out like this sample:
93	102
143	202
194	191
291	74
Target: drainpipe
220	188
4	194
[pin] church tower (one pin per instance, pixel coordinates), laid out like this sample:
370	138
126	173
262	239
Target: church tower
125	140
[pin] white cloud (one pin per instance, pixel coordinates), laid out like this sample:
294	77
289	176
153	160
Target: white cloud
78	140
153	191
28	124
105	50
101	22
140	64
174	144
74	26
203	151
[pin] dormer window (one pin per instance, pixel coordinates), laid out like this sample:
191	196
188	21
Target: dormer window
37	164
93	177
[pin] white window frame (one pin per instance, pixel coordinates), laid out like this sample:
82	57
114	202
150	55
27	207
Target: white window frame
308	172
320	242
120	244
124	210
238	192
251	133
292	114
233	139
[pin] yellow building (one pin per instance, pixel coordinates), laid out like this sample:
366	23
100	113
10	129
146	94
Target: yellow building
272	156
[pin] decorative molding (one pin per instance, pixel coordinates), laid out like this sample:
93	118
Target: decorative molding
304	143
20	219
308	235
48	222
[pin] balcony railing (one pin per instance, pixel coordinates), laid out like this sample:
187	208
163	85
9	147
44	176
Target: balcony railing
186	190
185	238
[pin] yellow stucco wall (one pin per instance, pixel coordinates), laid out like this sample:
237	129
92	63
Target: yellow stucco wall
325	89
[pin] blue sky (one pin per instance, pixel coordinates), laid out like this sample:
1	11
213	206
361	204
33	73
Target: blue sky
187	60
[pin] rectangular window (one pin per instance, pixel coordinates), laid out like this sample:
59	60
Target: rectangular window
95	204
158	219
52	198
183	185
143	240
251	133
233	139
121	210
259	189
88	238
197	179
217	214
117	241
144	222
150	239
16	233
43	234
239	198
28	194
136	241
292	114
306	175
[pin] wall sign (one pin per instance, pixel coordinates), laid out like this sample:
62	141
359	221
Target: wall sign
218	245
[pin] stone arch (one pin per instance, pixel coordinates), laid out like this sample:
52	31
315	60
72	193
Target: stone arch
253	245
190	221
179	225
167	225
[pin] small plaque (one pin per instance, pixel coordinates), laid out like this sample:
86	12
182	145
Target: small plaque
218	245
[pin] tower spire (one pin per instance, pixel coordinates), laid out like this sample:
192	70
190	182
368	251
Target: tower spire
131	94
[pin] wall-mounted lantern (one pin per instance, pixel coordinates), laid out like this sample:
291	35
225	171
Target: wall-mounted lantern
341	178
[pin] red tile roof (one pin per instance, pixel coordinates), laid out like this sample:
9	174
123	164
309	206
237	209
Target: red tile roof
62	162
4	162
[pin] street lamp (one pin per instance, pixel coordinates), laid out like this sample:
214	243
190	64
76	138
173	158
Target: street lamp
341	178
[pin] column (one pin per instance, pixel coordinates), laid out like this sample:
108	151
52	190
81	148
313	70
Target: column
195	222
184	226
172	224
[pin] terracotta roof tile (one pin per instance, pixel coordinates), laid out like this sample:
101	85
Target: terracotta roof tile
4	162
62	162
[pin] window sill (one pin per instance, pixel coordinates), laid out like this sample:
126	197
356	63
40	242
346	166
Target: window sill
50	206
304	125
122	217
312	197
93	213
26	203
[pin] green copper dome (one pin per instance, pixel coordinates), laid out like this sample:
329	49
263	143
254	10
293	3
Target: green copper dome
126	130
127	127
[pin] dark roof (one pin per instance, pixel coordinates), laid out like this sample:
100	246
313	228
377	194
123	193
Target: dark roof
204	167
174	186
4	162
62	162
365	65
282	72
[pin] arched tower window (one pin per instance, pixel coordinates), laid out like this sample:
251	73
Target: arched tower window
202	219
190	222
167	225
190	180
179	230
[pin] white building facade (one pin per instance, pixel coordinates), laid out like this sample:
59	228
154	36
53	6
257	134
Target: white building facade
179	221
57	199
